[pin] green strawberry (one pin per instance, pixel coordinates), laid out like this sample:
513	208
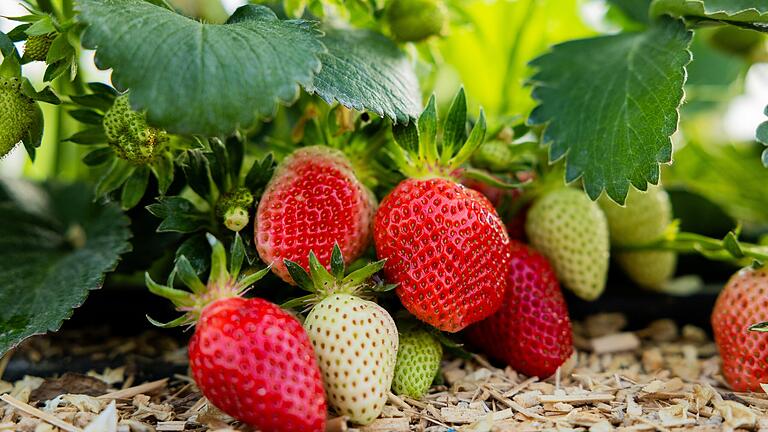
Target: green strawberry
234	208
418	361
571	231
493	155
129	134
415	20
645	217
355	340
16	114
37	46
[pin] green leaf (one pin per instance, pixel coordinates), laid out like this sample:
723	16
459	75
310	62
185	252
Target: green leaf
364	70
737	11
178	215
56	244
194	77
610	105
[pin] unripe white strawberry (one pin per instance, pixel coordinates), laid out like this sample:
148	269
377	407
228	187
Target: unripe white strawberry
355	340
645	217
571	231
356	345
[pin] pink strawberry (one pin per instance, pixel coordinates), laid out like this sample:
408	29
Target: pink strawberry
249	357
742	303
531	332
445	245
312	202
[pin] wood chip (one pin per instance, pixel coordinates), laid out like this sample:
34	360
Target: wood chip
615	343
21	406
130	392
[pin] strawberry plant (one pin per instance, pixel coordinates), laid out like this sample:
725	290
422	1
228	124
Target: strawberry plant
449	163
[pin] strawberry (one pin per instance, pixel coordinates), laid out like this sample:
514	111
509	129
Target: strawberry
249	357
507	203
312	202
16	114
742	303
418	361
234	208
129	134
531	332
415	20
445	245
355	339
571	231
645	217
37	46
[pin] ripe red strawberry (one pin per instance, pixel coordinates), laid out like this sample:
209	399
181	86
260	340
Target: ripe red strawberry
312	202
506	203
742	303
445	245
531	332
249	357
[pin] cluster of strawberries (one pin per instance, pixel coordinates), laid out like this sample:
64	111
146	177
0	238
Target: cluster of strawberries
441	245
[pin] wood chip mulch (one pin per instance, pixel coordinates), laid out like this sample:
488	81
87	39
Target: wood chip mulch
661	378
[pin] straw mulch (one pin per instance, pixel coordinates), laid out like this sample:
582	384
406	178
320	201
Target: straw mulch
661	378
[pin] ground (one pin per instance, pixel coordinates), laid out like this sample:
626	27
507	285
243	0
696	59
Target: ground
661	378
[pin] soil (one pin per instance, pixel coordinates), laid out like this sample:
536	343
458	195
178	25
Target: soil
660	377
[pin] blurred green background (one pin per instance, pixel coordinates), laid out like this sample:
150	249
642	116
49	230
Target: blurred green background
487	50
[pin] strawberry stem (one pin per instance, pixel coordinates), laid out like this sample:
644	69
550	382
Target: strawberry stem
727	249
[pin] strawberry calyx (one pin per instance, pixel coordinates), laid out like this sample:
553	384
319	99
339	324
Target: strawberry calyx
322	283
419	154
223	282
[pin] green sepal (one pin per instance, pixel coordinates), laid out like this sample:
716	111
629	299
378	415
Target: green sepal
338	268
237	255
415	149
322	278
178	297
299	275
759	327
188	276
475	140
731	244
134	187
180	321
219	274
486	178
249	280
455	128
299	301
359	276
427	143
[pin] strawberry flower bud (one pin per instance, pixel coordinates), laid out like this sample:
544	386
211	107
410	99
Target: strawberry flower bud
129	134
